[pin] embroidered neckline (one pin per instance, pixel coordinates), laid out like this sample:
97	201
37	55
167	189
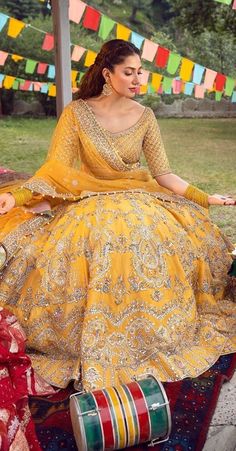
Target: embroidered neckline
114	134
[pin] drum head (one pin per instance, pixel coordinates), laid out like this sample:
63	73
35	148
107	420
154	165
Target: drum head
3	256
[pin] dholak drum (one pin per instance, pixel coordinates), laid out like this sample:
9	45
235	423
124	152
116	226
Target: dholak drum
121	416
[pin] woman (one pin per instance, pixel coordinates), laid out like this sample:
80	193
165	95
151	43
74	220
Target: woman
123	272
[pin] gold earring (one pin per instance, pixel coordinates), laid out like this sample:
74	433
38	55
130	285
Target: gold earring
107	89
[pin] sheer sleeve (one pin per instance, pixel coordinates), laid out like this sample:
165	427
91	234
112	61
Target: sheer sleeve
153	148
64	147
65	142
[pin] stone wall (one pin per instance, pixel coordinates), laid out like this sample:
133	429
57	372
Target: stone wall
196	108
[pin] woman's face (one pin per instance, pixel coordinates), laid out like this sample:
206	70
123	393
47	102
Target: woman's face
126	77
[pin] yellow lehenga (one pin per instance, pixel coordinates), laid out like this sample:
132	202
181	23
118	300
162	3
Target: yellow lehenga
123	278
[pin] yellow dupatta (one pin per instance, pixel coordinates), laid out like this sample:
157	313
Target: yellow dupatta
101	167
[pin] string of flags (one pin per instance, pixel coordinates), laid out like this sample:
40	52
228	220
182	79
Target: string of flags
228	2
169	86
195	78
152	82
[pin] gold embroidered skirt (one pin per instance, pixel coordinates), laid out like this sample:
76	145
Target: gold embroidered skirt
120	285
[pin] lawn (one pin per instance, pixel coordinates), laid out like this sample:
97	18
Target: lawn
202	151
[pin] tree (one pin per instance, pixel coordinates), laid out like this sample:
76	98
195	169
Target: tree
198	15
21	9
139	5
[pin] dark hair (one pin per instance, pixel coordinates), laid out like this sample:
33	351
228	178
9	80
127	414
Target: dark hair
112	52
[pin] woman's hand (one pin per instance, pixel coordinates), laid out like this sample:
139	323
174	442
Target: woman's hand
7	202
218	199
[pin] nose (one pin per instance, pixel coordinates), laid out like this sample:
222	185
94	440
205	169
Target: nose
136	80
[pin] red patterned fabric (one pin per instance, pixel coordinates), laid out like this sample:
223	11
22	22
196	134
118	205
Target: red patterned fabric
17	381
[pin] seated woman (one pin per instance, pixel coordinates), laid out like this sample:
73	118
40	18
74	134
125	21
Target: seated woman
122	273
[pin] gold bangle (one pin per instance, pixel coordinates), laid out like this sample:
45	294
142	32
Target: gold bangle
21	196
196	195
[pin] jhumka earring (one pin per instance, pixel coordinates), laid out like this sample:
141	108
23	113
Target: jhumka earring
107	89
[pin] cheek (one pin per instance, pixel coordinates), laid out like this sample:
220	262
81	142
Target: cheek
122	81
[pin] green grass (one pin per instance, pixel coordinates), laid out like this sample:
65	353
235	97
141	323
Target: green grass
202	151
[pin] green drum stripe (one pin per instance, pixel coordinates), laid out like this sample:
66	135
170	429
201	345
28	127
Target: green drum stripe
91	423
158	417
113	417
81	424
134	413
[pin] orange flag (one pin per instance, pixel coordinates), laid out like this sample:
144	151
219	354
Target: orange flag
122	32
186	69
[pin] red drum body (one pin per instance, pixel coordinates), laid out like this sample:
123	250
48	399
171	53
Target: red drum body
121	416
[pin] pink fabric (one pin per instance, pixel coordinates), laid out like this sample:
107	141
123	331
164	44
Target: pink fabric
17	381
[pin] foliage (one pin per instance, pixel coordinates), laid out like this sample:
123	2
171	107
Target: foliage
22	8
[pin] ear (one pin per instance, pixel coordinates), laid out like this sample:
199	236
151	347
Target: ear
105	73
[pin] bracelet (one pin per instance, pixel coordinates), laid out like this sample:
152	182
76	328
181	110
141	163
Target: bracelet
196	195
21	196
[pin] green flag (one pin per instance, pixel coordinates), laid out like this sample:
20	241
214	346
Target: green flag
226	2
173	63
167	84
16	84
218	95
30	66
106	26
229	86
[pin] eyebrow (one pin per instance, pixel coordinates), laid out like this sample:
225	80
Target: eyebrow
129	67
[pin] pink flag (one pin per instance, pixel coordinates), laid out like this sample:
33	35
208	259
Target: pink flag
199	91
77	53
145	76
48	42
149	50
3	57
42	67
210	76
26	85
177	85
234	4
76	10
160	90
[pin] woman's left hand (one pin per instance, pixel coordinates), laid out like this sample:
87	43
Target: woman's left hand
218	199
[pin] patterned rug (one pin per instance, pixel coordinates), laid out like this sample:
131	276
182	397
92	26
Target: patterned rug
192	403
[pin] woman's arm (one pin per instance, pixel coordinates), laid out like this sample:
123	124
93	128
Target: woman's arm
158	164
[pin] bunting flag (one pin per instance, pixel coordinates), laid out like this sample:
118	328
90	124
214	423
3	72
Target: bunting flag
162	57
149	50
3	57
234	4
77	53
41	68
167	85
76	10
218	96
15	26
226	2
198	73
106	27
51	71
220	82
145	76
3	20
137	39
188	88
210	76
90	58
122	32
30	66
177	86
156	81
233	98
8	82
229	86
52	91
16	58
48	43
199	91
186	69
74	74
173	63
91	18
26	86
